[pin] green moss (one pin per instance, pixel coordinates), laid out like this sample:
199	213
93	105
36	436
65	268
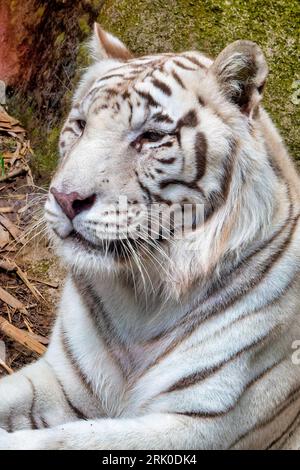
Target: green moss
46	153
148	26
60	39
40	267
83	57
40	11
83	23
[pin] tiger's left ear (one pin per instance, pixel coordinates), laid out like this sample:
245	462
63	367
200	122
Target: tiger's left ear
241	71
104	45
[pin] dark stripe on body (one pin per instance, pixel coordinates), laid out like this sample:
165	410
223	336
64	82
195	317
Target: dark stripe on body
217	414
203	374
102	323
193	320
292	397
76	368
78	413
32	419
288	430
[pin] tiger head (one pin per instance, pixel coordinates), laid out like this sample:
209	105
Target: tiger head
161	130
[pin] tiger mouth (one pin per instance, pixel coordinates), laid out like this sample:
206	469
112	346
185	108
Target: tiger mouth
118	248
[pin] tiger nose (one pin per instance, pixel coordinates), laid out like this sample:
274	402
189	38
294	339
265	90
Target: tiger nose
73	203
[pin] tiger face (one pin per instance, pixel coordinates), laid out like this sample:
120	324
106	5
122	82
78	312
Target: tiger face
156	131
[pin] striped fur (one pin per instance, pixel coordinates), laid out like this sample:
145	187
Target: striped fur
182	343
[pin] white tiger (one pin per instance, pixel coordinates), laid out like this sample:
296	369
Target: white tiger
178	343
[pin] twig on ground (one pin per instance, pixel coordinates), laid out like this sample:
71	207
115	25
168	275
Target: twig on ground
13	174
54	285
6	210
11	266
21	337
12	301
11	227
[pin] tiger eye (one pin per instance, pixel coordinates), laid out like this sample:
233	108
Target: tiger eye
81	123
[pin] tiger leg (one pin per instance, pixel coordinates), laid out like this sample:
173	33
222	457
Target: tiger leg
153	431
32	398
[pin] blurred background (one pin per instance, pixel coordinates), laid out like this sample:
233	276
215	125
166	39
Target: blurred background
42	55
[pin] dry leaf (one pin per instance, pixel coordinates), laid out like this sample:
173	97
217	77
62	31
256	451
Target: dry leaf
4	237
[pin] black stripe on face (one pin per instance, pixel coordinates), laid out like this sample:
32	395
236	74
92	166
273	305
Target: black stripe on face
166	161
183	66
194	61
163	87
200	153
110	92
228	170
148	97
190	119
160	117
144	188
107	77
178	79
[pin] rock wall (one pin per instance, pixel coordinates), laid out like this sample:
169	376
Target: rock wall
42	51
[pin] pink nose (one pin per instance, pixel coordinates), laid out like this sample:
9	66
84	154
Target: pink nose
73	203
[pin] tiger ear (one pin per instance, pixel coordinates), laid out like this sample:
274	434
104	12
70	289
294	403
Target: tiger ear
104	45
241	71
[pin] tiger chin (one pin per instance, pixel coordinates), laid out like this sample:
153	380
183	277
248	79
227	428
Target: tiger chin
165	342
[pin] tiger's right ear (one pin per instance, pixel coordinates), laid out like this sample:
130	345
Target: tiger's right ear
241	72
104	45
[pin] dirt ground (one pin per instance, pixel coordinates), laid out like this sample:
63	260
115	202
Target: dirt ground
30	275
